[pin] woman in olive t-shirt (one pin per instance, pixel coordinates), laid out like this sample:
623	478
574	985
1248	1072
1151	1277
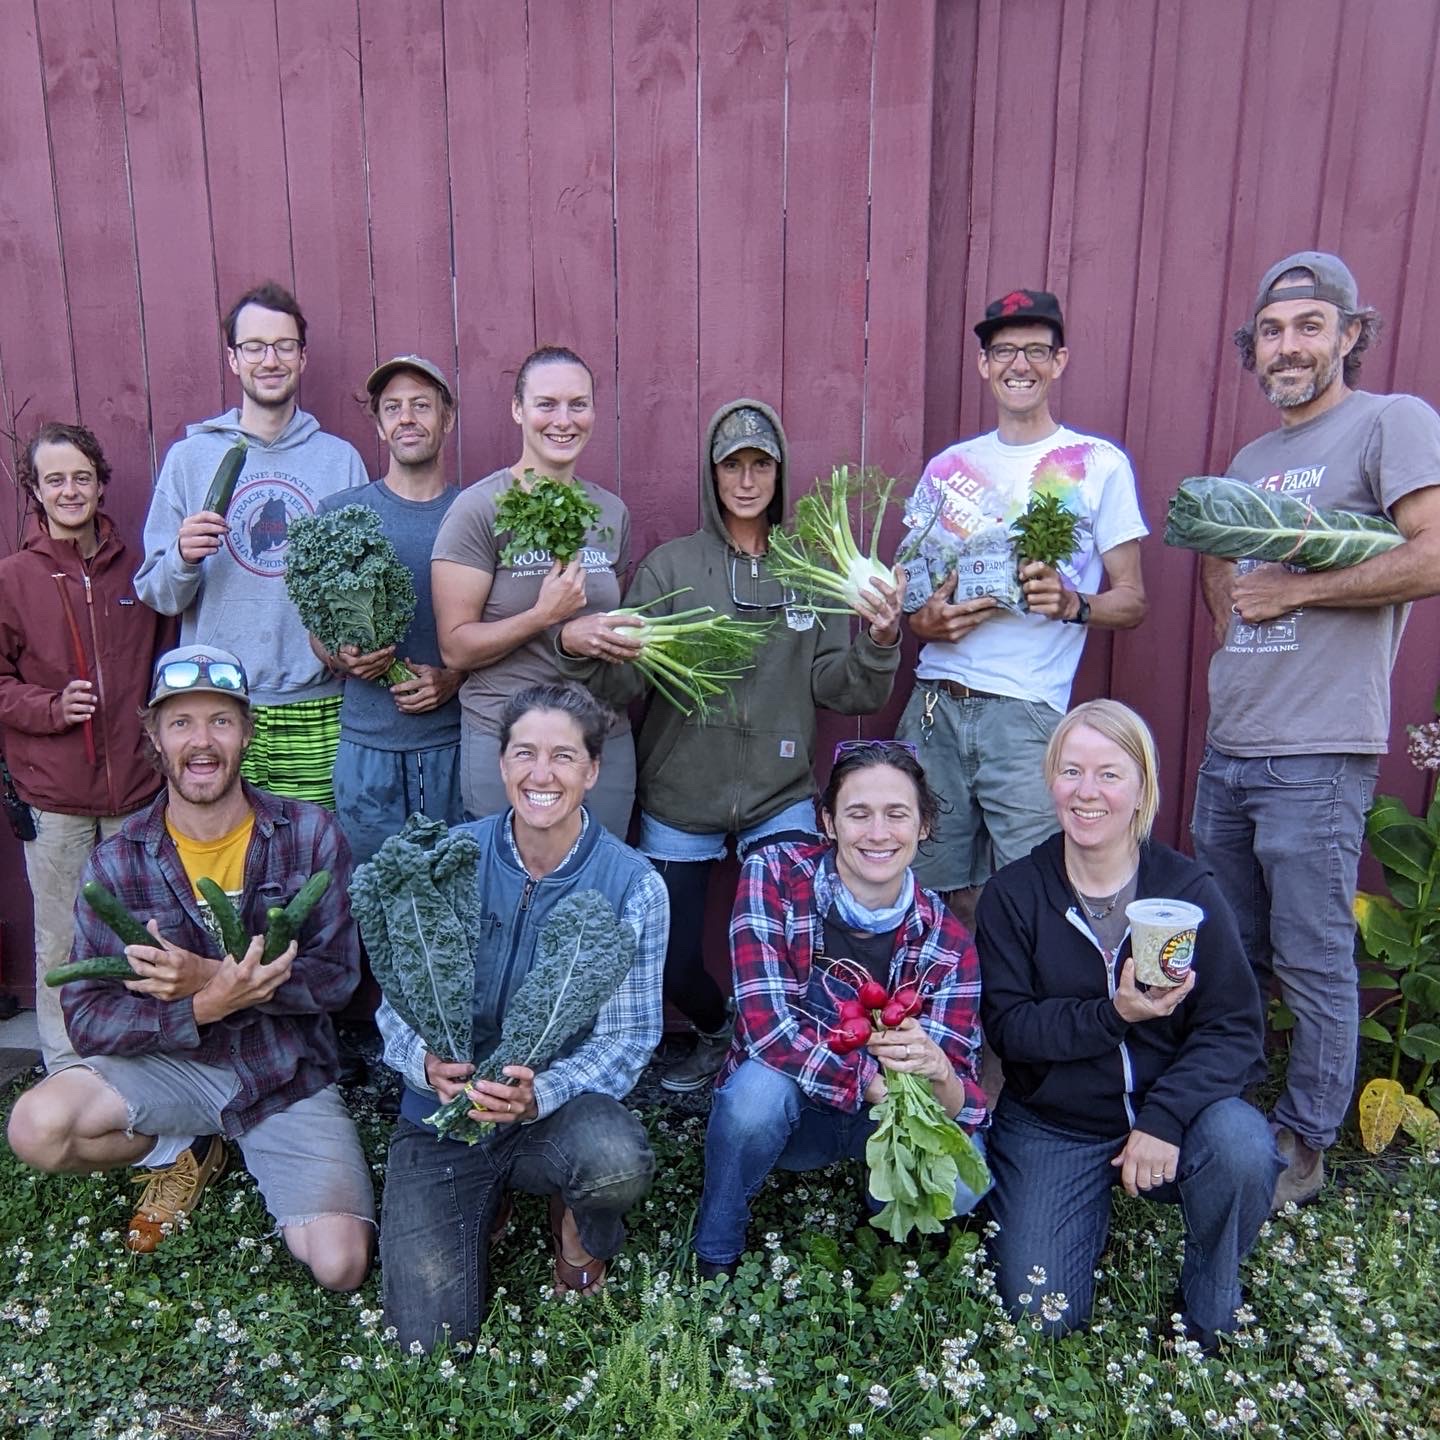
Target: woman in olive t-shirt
497	620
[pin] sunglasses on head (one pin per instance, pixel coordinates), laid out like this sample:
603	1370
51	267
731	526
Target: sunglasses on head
860	747
183	674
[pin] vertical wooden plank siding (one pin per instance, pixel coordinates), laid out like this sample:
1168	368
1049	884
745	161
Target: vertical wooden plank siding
741	260
488	119
319	51
572	214
184	367
37	382
657	318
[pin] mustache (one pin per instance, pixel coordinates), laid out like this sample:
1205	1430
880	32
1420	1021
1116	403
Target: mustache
1290	362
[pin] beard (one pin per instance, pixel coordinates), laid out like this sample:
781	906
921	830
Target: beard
270	399
206	789
1290	393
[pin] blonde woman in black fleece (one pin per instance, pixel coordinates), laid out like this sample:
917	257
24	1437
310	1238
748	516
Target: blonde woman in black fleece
747	772
1107	1082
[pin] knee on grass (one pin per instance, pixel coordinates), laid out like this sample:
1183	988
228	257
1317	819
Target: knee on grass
335	1248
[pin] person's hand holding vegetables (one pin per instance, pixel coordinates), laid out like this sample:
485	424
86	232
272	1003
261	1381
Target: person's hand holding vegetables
446	1077
603	636
1045	592
242	985
941	618
497	1103
77	702
168	971
879	604
370	665
1265	592
1146	1161
562	593
432	687
1137	1005
906	1046
201	535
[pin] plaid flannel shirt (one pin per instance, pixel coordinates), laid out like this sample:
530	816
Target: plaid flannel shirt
774	931
281	1051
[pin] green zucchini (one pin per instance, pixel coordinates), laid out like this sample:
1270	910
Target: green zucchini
97	967
227	472
115	915
232	929
285	924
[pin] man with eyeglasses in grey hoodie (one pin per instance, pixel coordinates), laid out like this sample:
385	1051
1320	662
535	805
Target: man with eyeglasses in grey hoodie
224	574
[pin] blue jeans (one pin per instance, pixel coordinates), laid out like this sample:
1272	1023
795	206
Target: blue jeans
1051	1202
376	791
441	1197
986	759
659	841
761	1119
1282	835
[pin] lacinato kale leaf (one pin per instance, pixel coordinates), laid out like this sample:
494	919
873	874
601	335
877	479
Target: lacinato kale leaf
348	584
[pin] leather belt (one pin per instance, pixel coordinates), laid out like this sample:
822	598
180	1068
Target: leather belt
956	691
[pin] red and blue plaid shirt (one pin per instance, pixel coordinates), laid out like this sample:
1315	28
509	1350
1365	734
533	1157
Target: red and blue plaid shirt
281	1051
775	932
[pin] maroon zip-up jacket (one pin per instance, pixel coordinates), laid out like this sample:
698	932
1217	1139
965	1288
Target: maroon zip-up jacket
63	618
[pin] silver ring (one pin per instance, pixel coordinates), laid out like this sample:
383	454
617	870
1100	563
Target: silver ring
907	1052
1234	609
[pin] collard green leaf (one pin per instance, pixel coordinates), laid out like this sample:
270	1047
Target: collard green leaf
1218	515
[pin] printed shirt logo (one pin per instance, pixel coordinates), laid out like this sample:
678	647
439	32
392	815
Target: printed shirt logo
260	518
1282	634
538	561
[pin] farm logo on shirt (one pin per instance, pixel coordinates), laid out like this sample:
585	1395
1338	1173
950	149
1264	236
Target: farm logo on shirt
260	517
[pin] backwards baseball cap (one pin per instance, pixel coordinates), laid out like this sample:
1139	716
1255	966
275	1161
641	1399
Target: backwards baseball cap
1330	279
381	373
1021	307
194	668
745	428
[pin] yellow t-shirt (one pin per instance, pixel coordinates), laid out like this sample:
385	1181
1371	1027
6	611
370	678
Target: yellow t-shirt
222	860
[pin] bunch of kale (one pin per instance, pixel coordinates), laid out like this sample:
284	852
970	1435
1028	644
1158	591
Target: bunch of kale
348	583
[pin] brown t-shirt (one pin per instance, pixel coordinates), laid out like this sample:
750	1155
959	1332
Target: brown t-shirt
467	536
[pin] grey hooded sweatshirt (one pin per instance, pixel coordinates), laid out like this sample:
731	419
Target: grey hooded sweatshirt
756	755
236	598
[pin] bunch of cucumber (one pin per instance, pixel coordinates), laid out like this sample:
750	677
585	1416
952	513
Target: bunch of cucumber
283	925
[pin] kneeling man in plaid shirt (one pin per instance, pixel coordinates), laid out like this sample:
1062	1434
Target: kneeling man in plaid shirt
195	1049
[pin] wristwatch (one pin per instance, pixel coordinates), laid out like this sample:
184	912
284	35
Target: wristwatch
1081	615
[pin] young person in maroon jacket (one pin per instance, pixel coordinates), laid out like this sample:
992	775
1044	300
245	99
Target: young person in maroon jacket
76	647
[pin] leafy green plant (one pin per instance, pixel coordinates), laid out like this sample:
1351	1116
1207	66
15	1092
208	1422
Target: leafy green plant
1046	530
349	585
1401	932
1217	515
539	512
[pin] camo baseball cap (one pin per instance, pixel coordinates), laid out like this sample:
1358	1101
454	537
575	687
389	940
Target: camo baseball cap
745	428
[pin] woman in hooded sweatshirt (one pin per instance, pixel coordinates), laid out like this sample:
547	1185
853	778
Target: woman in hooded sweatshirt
76	647
747	771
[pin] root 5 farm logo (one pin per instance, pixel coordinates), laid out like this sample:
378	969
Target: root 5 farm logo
260	517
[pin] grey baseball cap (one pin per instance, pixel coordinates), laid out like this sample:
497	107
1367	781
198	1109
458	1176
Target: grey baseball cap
1330	279
745	428
381	373
194	668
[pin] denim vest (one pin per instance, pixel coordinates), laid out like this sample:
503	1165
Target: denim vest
515	909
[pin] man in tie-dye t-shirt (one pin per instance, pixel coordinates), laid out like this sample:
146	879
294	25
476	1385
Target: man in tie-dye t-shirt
993	679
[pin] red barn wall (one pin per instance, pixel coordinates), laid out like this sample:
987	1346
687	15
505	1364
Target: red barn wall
806	202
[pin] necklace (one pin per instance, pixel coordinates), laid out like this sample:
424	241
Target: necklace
1098	907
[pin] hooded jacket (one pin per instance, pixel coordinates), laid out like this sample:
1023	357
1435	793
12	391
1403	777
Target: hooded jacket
65	618
236	598
756	755
1046	1002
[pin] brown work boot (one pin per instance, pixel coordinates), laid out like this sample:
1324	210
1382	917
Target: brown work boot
1303	1177
171	1193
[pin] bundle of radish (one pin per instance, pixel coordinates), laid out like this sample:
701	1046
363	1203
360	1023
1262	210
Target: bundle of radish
917	1152
694	655
818	557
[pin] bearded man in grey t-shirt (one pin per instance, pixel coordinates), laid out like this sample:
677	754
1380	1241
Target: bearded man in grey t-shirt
1300	688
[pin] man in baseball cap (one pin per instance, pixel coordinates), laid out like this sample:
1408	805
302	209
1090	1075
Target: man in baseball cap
997	662
1300	688
208	1038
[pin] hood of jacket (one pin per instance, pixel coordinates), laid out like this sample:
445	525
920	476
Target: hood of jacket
712	515
298	429
36	536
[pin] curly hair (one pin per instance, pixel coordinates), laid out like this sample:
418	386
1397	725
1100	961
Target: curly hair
55	433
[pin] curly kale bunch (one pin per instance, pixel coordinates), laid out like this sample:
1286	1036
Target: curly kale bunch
348	583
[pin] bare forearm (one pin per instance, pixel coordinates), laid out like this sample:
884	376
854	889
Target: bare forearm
1216	578
1410	571
478	643
1122	607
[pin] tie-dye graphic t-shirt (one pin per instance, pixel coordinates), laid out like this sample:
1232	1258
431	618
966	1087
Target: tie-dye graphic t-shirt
983	482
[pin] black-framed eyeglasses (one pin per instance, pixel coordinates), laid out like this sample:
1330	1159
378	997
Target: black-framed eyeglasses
1036	354
776	596
185	674
254	350
861	747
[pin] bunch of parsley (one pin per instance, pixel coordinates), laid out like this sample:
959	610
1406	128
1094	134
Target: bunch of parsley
542	513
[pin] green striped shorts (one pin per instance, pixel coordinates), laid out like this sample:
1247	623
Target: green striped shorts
293	750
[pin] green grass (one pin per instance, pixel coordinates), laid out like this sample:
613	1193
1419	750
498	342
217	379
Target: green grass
827	1332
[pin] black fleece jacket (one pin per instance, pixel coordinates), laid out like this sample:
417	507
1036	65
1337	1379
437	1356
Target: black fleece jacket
1047	1008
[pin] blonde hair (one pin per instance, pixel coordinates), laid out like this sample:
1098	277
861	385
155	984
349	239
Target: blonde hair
1123	727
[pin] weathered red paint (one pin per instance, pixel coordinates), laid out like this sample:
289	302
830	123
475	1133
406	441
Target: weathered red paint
811	203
